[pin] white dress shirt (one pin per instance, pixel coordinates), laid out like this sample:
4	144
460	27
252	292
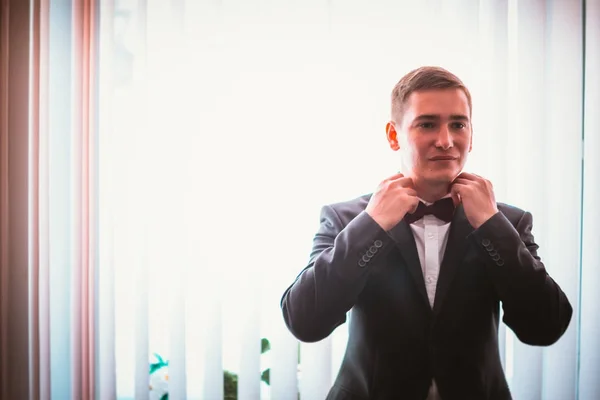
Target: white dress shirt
431	236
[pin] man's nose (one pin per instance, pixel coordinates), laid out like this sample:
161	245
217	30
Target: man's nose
444	139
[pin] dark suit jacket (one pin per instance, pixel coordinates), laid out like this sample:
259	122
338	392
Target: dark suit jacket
397	343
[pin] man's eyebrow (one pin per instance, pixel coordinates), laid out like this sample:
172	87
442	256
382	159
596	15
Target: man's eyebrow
426	117
429	117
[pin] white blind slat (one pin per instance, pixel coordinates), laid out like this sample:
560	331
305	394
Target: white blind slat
315	369
524	186
562	148
589	348
106	388
284	365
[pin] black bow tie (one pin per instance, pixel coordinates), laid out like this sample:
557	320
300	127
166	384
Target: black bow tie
442	209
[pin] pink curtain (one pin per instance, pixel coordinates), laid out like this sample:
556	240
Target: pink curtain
84	45
25	243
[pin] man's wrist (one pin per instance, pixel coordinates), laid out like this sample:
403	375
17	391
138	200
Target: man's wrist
485	218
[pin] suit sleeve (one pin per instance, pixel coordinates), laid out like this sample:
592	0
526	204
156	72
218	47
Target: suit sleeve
534	305
340	261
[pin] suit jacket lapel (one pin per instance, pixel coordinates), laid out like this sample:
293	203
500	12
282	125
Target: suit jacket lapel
456	247
403	236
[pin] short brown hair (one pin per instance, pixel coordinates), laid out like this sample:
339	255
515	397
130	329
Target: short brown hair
424	78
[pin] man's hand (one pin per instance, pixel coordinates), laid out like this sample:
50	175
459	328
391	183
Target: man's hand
393	198
477	197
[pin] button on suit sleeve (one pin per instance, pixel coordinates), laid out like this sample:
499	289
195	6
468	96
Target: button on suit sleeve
340	261
535	307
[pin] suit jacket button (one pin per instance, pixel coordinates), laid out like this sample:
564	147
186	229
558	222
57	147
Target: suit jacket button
361	263
485	242
373	249
378	243
366	258
496	257
500	262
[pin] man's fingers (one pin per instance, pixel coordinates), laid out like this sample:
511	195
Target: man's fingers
406	182
395	176
473	177
454	193
461	181
468	176
460	187
478	181
414	205
400	181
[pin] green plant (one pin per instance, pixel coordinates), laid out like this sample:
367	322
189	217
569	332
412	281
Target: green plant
159	384
158	365
230	385
265	346
230	379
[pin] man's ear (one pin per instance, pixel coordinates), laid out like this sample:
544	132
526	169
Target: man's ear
392	136
471	142
471	138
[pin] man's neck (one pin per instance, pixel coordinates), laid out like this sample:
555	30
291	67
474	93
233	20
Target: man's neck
430	192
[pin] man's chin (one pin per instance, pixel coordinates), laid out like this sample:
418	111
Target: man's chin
435	178
441	179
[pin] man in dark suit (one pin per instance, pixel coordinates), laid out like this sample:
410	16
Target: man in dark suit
424	263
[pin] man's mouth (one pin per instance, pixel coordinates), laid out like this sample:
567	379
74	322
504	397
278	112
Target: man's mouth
443	158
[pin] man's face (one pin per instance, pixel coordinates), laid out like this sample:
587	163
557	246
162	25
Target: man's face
434	135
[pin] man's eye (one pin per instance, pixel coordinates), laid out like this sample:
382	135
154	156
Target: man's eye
426	125
458	125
